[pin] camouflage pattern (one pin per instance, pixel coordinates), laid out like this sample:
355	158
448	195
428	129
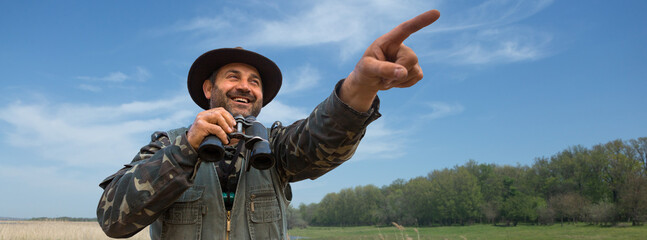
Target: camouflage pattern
138	194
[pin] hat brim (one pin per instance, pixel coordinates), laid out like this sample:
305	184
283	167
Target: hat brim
212	60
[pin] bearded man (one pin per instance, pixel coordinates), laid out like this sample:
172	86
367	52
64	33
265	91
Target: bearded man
181	195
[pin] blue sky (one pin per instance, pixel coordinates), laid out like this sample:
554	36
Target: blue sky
84	84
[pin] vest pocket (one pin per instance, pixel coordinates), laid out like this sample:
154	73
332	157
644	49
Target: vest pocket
183	220
264	213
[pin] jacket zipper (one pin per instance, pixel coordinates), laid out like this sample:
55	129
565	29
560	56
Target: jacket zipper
228	224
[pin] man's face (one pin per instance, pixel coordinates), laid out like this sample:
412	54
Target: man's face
238	89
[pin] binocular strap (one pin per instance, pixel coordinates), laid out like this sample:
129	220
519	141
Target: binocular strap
227	172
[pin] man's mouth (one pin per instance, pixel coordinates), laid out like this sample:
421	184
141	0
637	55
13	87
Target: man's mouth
240	99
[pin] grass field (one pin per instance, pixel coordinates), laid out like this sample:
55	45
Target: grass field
477	232
28	230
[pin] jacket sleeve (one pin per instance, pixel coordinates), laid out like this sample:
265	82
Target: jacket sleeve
313	146
138	194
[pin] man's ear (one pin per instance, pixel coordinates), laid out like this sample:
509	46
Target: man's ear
206	88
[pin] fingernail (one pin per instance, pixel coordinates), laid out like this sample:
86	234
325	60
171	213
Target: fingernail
399	73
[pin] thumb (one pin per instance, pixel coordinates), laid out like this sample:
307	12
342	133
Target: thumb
385	70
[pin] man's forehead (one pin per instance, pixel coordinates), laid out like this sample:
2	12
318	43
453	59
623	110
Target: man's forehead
240	67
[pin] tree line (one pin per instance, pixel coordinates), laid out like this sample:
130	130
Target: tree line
602	185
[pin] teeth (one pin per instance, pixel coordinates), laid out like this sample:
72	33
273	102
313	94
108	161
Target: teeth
242	100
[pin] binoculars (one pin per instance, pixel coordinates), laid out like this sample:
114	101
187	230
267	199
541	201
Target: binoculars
255	136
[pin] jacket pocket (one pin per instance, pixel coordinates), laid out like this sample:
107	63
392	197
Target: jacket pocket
264	213
183	220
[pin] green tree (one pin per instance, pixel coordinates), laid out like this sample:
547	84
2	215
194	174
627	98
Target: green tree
295	220
640	147
620	165
419	201
395	203
520	207
633	198
456	195
327	212
368	205
308	212
568	206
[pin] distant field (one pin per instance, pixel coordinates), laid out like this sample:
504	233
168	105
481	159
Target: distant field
478	232
30	230
55	230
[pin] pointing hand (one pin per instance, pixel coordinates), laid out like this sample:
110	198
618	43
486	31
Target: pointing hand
387	63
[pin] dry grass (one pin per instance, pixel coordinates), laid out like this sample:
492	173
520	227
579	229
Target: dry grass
58	230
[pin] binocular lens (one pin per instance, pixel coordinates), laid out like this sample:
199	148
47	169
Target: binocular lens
211	149
261	160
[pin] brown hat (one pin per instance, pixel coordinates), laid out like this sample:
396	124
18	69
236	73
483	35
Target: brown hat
213	60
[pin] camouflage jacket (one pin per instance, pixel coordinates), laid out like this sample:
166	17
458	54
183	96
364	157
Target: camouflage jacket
166	179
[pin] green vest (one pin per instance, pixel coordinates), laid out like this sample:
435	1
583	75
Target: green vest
259	209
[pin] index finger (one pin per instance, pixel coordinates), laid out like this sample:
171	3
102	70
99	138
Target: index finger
400	33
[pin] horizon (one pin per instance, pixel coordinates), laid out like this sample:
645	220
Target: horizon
506	82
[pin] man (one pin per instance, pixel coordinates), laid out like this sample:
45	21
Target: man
182	196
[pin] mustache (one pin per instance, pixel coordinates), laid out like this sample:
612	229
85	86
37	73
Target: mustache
240	93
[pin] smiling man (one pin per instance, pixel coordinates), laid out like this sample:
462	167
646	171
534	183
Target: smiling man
183	196
246	89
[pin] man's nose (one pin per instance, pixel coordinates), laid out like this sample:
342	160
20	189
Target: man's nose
243	85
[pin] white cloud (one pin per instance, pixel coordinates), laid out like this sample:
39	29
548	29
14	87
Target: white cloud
139	75
503	45
351	25
89	87
302	78
487	32
201	24
492	13
84	135
441	110
277	111
111	77
381	142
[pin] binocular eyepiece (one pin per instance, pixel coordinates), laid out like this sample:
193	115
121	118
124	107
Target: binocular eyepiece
255	137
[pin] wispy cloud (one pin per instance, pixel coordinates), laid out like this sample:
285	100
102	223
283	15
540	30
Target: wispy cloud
488	14
489	33
350	25
140	74
201	24
486	33
83	135
441	110
111	77
381	142
277	111
302	78
495	46
89	87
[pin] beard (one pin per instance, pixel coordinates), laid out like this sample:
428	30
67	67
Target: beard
222	99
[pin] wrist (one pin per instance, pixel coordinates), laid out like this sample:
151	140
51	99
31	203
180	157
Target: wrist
356	95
